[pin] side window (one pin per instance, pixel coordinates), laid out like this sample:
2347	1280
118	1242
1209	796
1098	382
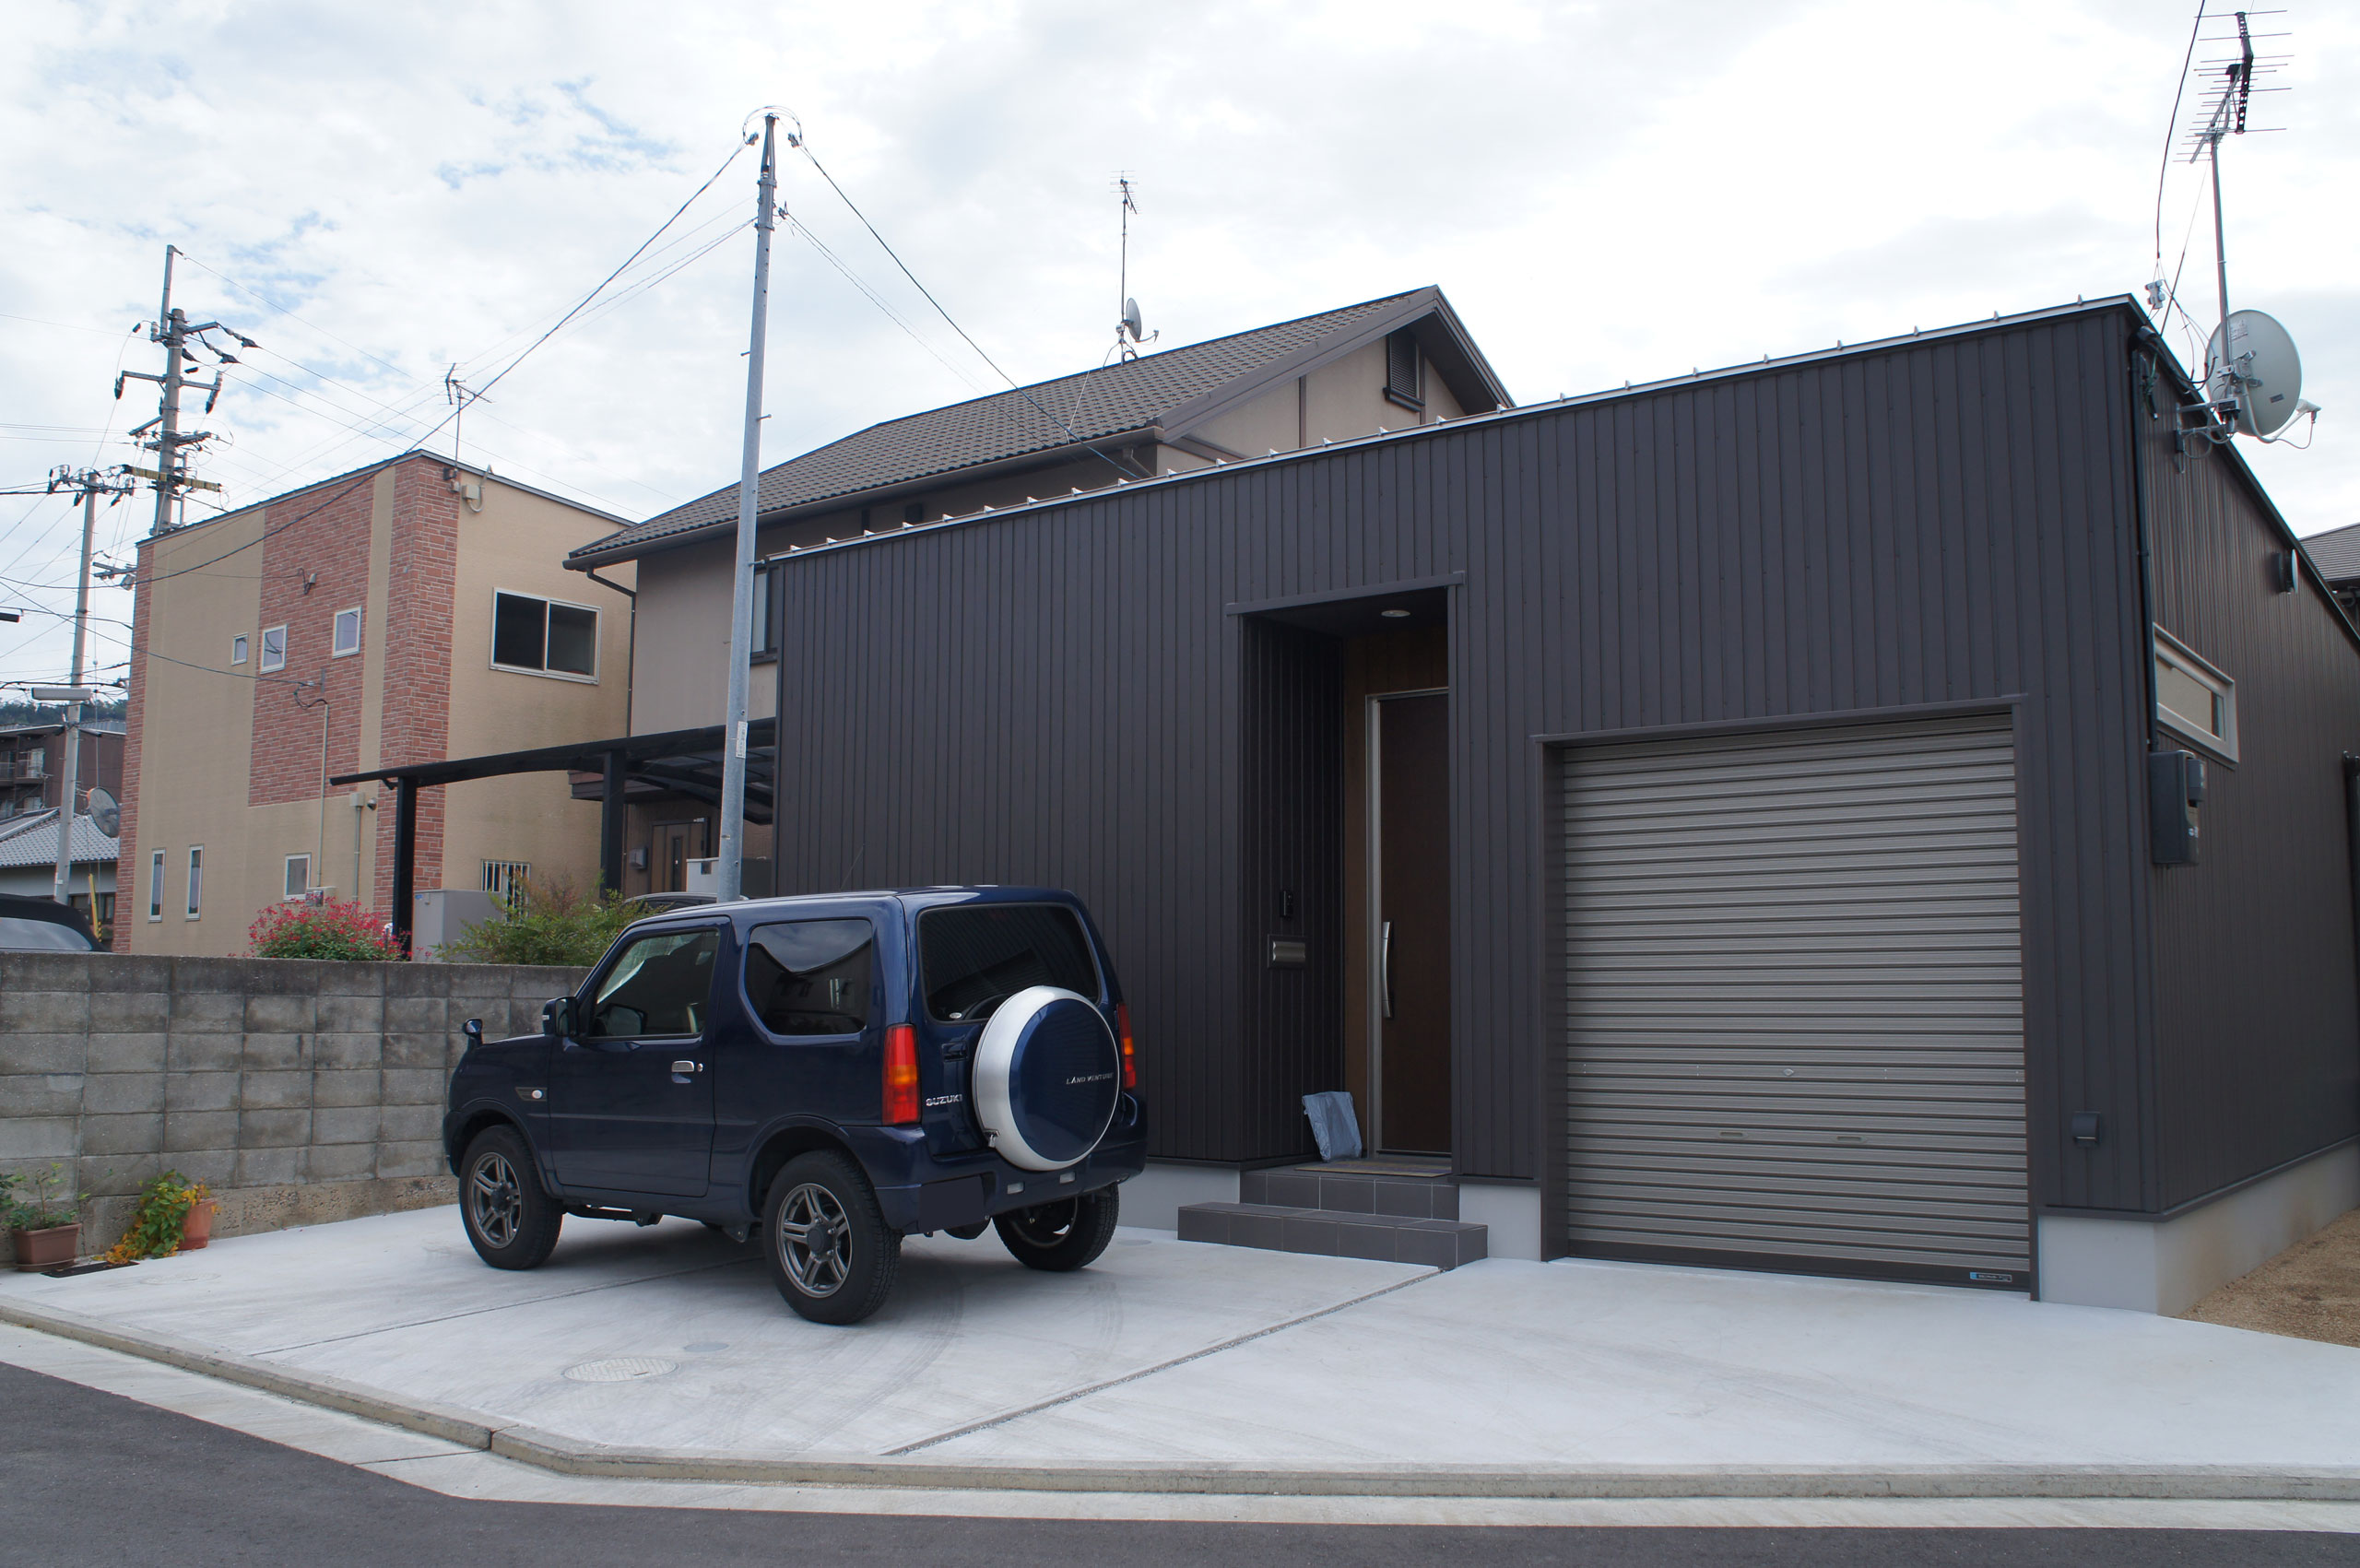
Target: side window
659	985
812	977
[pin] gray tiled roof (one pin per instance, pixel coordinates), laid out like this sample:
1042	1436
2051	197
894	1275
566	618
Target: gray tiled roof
1099	404
32	841
2336	553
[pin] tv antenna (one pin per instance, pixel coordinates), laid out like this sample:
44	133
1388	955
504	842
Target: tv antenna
2252	374
456	394
1127	329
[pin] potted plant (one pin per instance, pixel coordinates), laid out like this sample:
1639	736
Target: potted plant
42	1218
196	1226
157	1226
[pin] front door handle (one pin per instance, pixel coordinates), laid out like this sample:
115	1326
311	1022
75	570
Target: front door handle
685	1068
1385	965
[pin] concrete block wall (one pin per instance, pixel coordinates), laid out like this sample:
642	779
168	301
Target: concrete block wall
300	1092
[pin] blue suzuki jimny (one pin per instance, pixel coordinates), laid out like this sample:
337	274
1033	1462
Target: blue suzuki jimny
829	1073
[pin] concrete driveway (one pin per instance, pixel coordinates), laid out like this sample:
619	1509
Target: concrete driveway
1169	1352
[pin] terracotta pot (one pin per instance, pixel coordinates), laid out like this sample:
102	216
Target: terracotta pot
196	1226
47	1249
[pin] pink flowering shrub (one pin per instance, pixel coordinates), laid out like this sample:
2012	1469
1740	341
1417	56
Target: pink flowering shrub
329	929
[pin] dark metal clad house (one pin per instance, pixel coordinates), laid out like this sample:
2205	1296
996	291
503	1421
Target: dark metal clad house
1716	817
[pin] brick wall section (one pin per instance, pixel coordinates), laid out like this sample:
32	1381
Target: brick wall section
314	562
130	866
414	724
299	1091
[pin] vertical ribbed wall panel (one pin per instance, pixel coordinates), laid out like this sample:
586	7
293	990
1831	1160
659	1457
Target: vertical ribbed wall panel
2257	1023
1057	695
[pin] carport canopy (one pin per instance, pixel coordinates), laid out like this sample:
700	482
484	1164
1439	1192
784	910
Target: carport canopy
680	762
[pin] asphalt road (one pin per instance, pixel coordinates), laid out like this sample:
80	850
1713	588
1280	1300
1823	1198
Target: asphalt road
89	1478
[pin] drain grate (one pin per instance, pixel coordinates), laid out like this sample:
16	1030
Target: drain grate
619	1369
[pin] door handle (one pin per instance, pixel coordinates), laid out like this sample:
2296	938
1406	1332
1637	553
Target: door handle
687	1067
1384	966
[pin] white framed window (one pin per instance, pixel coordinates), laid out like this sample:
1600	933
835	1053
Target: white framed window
346	641
237	650
299	875
538	636
196	880
274	648
503	879
155	886
2194	698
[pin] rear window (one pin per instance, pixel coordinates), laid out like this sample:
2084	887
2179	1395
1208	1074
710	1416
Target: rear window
812	977
975	957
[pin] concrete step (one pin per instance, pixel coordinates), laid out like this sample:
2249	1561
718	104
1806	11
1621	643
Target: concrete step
1330	1233
1319	1187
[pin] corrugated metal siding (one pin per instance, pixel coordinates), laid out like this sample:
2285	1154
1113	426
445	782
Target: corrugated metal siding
1293	703
2258	1025
1794	997
1053	695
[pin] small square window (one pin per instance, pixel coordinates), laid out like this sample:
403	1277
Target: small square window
544	637
299	875
274	648
348	634
237	650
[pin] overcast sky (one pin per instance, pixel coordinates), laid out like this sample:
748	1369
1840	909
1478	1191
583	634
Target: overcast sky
1605	193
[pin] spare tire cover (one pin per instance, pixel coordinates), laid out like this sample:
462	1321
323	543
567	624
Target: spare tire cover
1047	1076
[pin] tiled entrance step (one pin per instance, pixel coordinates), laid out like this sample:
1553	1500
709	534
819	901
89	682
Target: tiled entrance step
1312	1209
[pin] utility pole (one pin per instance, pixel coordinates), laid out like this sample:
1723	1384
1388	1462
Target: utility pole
173	330
92	484
741	594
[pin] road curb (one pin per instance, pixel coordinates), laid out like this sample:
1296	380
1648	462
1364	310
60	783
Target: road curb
567	1456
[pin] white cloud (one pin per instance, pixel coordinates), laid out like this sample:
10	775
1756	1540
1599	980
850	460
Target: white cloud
1605	192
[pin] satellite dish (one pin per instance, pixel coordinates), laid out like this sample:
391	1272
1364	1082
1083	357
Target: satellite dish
105	815
2270	373
1131	322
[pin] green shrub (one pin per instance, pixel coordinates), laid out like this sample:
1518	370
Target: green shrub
548	923
40	1201
331	928
154	1230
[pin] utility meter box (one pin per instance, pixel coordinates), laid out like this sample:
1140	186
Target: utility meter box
442	914
2175	790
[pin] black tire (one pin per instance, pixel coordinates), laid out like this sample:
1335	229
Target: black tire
512	1222
822	1198
1062	1236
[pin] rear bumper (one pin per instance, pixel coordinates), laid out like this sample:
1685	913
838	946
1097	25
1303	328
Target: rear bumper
922	1192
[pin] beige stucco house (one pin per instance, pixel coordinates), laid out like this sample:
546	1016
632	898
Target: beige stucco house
410	610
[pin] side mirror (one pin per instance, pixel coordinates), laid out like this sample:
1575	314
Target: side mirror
557	1017
473	1030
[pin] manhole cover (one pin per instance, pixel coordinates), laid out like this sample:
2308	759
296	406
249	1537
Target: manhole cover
619	1369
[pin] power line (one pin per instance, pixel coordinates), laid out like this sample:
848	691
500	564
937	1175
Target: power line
1126	470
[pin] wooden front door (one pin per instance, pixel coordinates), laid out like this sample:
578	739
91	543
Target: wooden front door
1410	810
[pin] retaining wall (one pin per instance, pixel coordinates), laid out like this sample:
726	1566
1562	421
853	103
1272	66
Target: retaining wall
300	1092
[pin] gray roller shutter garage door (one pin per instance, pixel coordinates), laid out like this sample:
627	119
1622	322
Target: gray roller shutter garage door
1794	987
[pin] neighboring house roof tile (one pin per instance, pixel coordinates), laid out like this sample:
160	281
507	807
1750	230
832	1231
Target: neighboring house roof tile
2336	553
32	841
1101	405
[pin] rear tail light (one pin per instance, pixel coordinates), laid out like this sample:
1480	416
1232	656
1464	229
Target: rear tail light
900	1075
1123	1034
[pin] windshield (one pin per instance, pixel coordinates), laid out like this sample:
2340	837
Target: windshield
19	936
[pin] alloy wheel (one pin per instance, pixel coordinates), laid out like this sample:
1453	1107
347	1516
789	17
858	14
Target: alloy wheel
815	1240
496	1200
